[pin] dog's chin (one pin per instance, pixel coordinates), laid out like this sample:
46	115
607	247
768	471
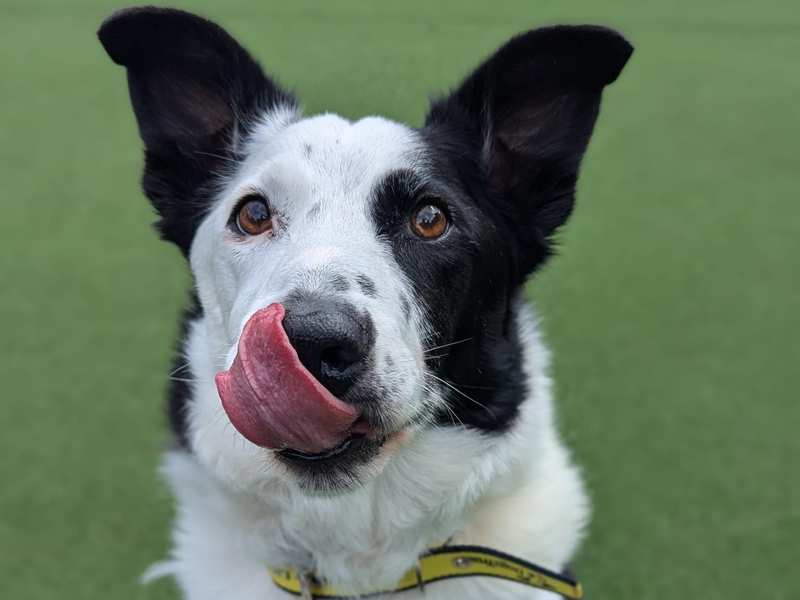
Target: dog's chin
343	469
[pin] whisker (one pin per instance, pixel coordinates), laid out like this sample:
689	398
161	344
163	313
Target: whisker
236	162
454	417
179	369
413	359
479	387
184	380
429	418
455	389
447	345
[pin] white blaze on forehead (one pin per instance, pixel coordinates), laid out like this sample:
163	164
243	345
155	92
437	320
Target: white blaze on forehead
341	156
319	175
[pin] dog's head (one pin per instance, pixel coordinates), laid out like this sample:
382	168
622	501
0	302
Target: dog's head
357	279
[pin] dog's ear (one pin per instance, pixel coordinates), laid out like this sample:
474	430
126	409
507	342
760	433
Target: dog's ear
195	92
528	113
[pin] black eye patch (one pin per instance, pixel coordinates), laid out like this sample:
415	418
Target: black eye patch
462	284
394	198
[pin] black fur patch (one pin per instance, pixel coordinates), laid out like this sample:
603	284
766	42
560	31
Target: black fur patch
524	118
503	152
195	92
179	391
465	282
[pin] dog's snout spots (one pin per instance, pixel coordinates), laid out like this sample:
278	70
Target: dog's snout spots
340	283
367	286
389	362
313	213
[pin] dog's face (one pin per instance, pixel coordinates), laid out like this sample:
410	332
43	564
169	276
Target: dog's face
345	226
356	279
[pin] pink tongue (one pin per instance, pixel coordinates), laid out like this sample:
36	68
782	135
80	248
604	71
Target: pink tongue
272	399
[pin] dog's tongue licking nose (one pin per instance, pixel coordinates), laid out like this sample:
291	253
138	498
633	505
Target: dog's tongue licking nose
272	399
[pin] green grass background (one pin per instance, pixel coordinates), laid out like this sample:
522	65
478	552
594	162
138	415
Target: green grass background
673	310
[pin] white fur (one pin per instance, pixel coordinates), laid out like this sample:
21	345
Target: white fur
238	512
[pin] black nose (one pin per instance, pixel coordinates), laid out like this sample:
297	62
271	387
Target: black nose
331	339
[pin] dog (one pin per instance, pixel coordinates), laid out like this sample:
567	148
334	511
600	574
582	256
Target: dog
360	379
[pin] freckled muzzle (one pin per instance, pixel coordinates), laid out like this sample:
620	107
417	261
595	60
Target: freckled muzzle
275	401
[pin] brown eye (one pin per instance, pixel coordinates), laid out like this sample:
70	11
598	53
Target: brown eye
254	217
429	221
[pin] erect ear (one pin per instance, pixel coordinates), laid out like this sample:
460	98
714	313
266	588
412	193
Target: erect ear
528	112
196	93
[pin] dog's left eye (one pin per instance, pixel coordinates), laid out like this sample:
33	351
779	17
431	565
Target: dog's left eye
254	217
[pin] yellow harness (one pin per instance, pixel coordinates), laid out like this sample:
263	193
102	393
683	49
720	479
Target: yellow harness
441	563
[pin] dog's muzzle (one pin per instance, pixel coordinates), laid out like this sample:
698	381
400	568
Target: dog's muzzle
274	393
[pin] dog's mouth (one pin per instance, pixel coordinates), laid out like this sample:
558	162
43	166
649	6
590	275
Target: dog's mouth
351	444
276	403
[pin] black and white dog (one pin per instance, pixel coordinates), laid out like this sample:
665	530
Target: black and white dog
360	377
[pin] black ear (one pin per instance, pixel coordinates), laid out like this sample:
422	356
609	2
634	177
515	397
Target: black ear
528	113
196	92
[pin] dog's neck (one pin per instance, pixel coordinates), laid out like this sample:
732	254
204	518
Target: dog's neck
515	492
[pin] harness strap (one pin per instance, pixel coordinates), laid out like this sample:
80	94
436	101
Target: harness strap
442	563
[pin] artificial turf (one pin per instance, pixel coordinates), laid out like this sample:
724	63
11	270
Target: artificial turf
673	309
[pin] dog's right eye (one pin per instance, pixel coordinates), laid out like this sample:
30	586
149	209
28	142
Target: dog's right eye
429	221
254	217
